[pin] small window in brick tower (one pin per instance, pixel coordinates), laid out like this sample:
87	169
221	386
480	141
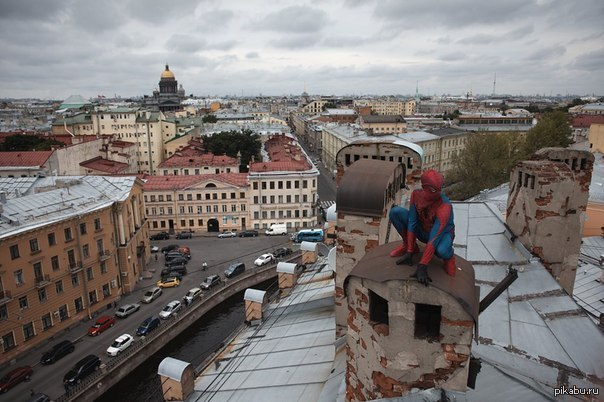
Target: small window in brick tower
378	308
427	322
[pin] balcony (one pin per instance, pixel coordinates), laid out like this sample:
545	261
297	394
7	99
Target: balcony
5	297
75	266
103	255
42	280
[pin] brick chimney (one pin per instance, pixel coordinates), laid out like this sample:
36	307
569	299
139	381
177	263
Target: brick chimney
365	195
310	252
254	302
546	203
177	379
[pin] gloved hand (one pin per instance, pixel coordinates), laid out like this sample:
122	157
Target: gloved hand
421	273
406	259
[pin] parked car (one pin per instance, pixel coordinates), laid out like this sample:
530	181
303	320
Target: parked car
58	351
174	255
151	294
248	233
127	309
81	370
184	250
160	236
147	326
14	377
263	260
172	274
170	309
102	323
120	344
177	261
234	269
192	295
154	249
168	282
282	252
210	282
180	269
39	397
227	233
169	247
184	235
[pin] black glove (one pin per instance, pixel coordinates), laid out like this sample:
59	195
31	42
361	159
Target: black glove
421	273
406	259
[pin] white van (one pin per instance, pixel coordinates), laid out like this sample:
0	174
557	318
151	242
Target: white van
276	229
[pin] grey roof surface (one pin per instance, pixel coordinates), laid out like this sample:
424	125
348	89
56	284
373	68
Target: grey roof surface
291	353
47	203
533	335
12	186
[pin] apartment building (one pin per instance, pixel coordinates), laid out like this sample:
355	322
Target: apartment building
69	247
314	107
383	124
406	107
199	203
192	160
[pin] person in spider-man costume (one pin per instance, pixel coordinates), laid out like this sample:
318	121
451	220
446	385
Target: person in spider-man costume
429	219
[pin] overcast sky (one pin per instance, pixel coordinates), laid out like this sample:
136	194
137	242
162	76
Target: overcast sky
55	48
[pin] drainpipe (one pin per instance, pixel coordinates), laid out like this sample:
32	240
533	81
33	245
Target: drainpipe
68	132
84	280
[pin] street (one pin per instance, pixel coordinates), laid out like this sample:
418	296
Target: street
217	253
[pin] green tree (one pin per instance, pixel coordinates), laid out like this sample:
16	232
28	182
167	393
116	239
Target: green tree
484	163
233	142
209	118
22	142
553	130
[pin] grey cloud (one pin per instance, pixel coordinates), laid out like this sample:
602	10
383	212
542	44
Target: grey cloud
211	20
546	53
344	41
252	55
158	11
453	56
185	43
592	61
478	39
520	33
454	13
295	19
97	16
222	45
296	42
32	10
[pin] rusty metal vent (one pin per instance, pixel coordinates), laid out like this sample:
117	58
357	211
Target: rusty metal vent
366	187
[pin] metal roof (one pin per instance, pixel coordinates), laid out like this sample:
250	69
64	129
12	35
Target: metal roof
254	295
531	337
172	368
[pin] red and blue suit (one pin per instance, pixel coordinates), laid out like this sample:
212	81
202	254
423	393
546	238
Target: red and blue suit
429	219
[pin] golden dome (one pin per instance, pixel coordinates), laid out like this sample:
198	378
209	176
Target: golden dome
167	73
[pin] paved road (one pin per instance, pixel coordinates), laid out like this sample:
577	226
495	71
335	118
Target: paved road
218	253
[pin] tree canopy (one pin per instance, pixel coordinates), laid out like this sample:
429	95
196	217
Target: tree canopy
232	142
486	162
22	142
553	130
209	118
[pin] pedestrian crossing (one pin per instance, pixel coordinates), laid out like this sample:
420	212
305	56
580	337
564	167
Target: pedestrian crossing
325	204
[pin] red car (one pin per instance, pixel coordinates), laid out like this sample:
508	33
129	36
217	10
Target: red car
104	322
14	377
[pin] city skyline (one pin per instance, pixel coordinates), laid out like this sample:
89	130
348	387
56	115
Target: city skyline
54	49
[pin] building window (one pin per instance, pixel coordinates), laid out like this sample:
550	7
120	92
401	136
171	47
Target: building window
8	341
59	287
86	251
255	185
23	303
241	195
189	197
191	222
46	322
168	197
208	196
199	222
223	196
103	267
224	208
82	228
233	196
182	210
28	331
74	280
99	246
54	262
190	209
33	245
14	252
3	312
63	313
264	185
215	208
304	183
242	208
427	321
233	208
42	294
181	197
214	196
68	235
79	304
52	240
97	224
92	297
255	199
182	223
19	277
89	274
288	184
106	291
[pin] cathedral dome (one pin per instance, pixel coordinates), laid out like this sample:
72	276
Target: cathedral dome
167	74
